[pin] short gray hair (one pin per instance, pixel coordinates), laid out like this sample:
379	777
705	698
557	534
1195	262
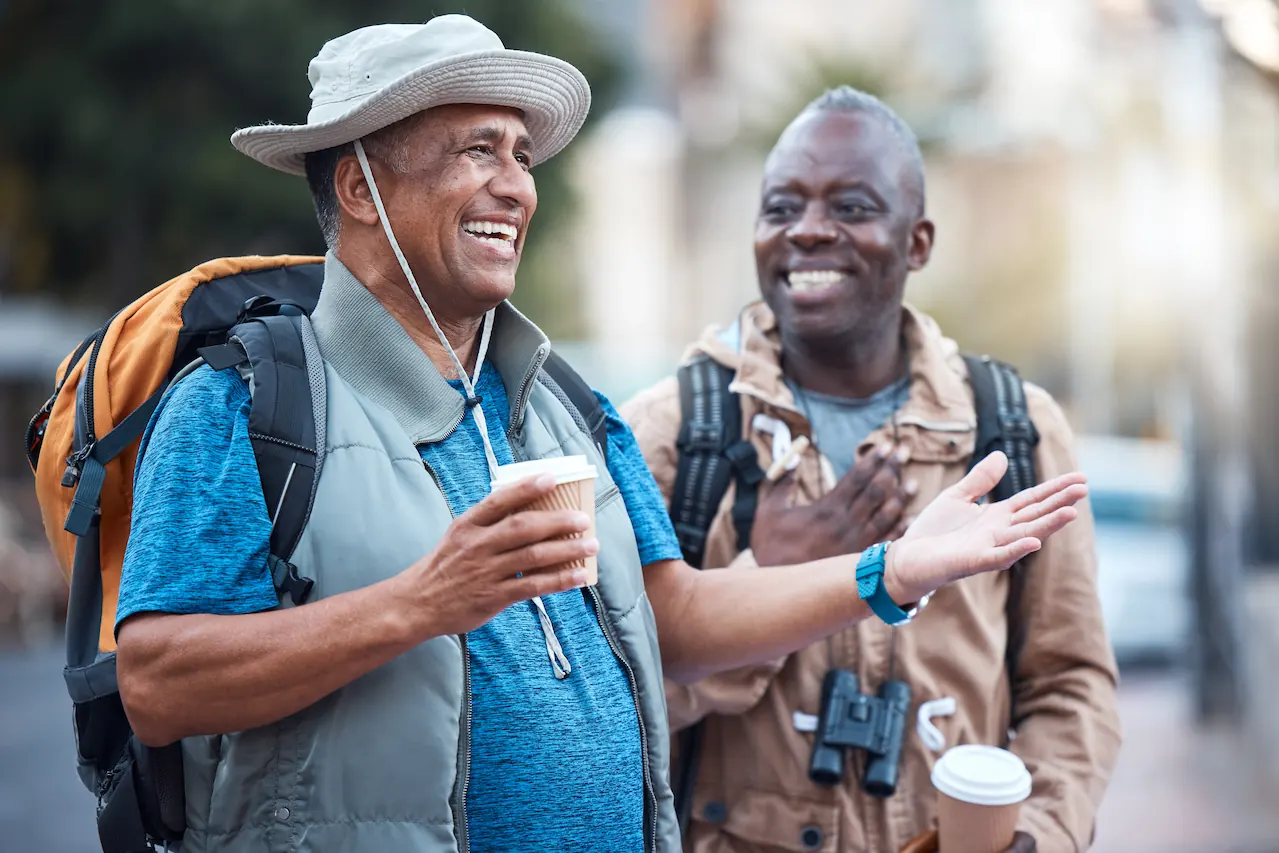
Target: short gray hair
390	145
846	99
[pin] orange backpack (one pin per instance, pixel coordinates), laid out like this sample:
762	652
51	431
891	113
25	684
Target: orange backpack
83	444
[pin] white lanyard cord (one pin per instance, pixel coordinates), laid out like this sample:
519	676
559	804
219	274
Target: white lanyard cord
559	661
472	401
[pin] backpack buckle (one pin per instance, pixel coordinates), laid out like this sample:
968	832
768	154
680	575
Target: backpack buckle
745	460
690	538
701	437
1018	427
287	579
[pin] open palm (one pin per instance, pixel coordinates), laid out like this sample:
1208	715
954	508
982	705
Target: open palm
955	536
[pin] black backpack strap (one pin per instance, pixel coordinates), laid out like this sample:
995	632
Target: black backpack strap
286	423
582	398
712	453
1003	423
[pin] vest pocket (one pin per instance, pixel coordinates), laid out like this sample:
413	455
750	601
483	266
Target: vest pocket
608	496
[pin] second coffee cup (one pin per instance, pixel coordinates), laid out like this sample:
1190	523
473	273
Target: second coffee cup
574	489
981	789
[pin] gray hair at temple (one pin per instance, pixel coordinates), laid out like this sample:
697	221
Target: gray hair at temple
846	99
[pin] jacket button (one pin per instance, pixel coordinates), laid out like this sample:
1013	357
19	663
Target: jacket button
715	812
282	813
811	837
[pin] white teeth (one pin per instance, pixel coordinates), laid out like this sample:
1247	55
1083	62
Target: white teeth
501	230
804	281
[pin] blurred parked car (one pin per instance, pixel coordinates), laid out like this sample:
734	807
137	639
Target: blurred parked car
1138	497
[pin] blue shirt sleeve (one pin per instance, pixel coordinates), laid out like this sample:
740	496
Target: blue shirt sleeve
200	534
654	533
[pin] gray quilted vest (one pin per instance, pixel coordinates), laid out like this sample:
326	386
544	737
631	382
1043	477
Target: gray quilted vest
382	764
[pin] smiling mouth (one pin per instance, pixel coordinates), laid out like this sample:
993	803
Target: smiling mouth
813	281
499	234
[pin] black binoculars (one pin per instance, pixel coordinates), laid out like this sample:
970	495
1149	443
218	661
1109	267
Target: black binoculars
850	718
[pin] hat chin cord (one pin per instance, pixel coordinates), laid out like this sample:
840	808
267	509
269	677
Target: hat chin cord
559	661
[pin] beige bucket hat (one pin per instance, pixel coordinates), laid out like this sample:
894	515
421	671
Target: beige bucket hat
375	76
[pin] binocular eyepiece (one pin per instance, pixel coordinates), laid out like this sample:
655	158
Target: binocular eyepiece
850	718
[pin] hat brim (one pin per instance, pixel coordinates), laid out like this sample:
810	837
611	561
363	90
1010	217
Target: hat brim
553	95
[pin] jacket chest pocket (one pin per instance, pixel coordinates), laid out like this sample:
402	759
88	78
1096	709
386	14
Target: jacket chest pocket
769	822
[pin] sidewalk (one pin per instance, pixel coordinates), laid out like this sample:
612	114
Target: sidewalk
1177	789
1174	790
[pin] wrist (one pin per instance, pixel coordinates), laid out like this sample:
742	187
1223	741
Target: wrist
903	594
407	620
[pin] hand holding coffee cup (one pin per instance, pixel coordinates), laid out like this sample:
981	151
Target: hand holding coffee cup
980	792
574	490
499	552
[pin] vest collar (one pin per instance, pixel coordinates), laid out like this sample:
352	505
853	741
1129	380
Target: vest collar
371	351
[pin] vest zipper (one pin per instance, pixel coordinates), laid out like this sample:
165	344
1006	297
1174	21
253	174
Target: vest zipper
521	394
464	733
464	751
651	842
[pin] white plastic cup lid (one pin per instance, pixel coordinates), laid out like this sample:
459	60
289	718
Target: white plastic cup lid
566	469
982	775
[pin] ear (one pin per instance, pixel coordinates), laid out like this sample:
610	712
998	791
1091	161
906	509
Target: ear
921	245
353	193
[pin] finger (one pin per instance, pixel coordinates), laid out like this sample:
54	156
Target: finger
527	527
544	555
1004	556
1040	528
1045	490
862	472
886	518
883	486
507	499
984	476
1068	496
544	583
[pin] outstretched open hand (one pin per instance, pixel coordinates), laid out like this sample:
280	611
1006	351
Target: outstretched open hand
955	536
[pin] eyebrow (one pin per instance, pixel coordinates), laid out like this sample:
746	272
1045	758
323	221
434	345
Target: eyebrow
792	186
493	135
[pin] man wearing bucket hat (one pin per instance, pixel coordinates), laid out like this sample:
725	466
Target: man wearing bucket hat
450	685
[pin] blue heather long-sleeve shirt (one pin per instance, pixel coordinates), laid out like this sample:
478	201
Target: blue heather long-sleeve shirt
555	765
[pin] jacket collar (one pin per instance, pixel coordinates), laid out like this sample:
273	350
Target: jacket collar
939	408
371	351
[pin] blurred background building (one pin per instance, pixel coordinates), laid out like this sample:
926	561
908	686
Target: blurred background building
1104	175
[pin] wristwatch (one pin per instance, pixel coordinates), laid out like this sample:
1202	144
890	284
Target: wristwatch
870	588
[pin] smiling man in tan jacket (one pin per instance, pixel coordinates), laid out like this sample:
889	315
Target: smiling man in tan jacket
833	355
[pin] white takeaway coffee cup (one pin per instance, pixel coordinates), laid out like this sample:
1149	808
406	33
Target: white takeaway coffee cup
981	789
574	489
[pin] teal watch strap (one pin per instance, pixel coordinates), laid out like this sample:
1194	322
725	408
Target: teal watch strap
870	586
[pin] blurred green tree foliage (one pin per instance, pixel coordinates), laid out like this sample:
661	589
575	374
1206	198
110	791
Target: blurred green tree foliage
115	169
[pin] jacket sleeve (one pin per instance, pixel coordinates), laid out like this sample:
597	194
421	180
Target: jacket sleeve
1064	716
654	418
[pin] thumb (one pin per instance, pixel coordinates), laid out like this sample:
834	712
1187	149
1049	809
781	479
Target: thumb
985	475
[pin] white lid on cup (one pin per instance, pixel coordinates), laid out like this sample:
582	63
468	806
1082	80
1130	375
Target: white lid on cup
565	469
982	775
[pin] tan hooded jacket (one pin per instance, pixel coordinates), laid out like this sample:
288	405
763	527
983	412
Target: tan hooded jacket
753	792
